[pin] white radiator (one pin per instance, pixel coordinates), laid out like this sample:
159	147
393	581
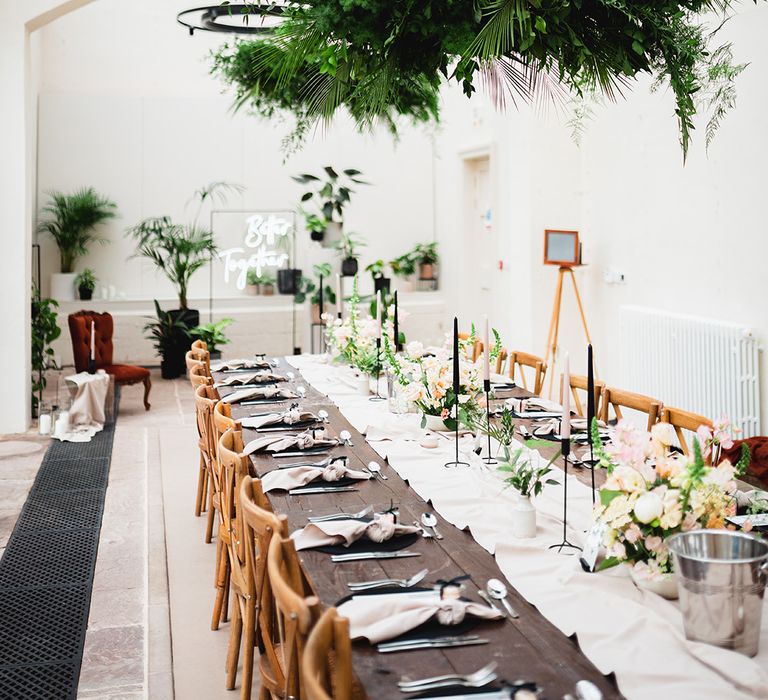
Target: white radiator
708	367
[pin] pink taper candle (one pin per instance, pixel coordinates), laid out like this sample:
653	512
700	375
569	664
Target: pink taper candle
339	300
486	353
378	314
565	430
93	340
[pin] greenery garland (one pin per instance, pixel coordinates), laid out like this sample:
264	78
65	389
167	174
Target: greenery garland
382	59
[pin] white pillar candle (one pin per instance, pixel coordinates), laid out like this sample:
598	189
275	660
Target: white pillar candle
339	300
565	430
62	424
93	340
486	353
44	424
378	314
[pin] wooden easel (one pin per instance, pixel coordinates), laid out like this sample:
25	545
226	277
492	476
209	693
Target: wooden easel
554	324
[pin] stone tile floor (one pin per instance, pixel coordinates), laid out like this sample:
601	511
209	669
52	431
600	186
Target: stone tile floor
148	632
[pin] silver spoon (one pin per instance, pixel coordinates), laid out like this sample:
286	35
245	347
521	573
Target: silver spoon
301	390
375	468
291	376
430	521
497	590
346	438
322	414
587	690
426	534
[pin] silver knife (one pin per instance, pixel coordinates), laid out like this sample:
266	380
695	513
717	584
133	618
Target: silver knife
433	645
502	694
338	558
255	402
280	430
321	489
300	453
427	640
246	386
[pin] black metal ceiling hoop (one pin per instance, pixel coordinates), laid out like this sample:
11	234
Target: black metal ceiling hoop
253	18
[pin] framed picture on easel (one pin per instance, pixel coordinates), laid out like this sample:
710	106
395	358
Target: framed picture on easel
562	248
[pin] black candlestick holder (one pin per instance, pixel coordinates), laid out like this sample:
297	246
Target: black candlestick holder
91	366
487	388
378	396
456	462
565	544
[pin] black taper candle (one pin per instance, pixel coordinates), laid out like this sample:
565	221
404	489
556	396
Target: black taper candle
397	327
591	411
321	304
456	372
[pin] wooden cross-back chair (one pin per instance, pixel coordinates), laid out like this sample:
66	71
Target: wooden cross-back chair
477	347
327	665
618	399
206	398
196	357
501	360
222	419
200	345
198	376
296	612
522	360
682	420
259	525
578	383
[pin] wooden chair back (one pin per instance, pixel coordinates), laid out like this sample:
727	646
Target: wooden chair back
682	420
618	399
198	376
296	612
233	465
520	359
501	360
222	419
327	665
477	348
206	398
200	345
580	383
195	358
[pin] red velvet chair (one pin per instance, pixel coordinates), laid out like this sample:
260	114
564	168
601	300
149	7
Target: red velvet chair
80	331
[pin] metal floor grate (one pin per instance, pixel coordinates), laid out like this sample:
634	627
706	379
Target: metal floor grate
46	572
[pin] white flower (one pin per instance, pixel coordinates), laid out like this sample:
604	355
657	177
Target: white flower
648	507
414	349
664	433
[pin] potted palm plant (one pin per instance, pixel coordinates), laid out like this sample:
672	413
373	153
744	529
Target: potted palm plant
348	246
310	288
170	337
426	257
86	283
212	334
330	194
72	222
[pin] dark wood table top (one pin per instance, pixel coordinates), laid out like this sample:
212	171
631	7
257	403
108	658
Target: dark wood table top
529	648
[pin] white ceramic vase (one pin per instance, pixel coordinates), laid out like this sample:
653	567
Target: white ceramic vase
436	424
363	384
664	585
63	286
523	518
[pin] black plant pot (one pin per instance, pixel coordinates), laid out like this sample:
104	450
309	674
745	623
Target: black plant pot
86	293
174	364
381	284
171	367
349	267
317	235
216	355
288	280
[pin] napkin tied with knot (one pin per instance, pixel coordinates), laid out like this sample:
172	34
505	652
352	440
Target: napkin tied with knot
290	417
239	364
287	479
259	393
381	617
278	443
383	527
255	378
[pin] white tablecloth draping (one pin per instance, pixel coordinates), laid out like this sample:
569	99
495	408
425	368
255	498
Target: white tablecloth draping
635	634
87	413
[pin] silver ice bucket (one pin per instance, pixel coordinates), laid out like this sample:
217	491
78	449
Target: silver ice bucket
721	578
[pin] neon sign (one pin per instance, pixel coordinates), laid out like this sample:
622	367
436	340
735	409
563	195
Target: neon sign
263	246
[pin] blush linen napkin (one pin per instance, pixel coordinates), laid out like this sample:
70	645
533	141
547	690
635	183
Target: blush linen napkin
259	393
280	442
383	527
255	378
381	617
287	479
290	417
239	364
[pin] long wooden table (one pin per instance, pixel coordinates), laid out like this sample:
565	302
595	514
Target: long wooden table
529	648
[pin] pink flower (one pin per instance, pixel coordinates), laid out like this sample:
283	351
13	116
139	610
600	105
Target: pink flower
747	526
444	413
705	440
633	533
653	543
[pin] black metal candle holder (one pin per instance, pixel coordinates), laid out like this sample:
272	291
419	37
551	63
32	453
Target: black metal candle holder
91	366
487	388
565	544
377	396
456	462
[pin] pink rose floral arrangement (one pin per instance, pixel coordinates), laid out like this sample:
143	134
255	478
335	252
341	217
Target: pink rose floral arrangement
653	491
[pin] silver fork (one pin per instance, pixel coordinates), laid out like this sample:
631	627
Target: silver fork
384	582
479	678
341	516
322	463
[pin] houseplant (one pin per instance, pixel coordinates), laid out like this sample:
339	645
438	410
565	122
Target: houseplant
212	334
171	339
72	222
330	194
263	283
86	283
288	280
45	330
310	288
426	257
380	282
348	246
267	282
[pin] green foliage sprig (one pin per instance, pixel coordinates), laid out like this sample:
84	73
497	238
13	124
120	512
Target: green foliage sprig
212	334
86	279
168	332
45	330
309	287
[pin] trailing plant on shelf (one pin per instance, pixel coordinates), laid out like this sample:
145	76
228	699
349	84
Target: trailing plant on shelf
212	334
180	250
73	220
45	330
170	336
381	60
86	283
